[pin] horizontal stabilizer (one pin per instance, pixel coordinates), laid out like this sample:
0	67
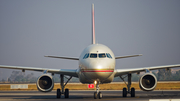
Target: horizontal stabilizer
120	57
69	58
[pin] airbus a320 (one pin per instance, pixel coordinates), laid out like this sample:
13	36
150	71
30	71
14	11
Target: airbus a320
96	66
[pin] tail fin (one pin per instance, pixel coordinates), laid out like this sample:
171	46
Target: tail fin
93	26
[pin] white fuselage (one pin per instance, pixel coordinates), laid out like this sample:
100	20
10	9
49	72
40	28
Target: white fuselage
96	63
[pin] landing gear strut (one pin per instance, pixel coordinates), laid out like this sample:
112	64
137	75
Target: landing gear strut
97	94
125	91
61	91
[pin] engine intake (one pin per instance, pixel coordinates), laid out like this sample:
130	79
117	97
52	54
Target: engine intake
148	82
45	83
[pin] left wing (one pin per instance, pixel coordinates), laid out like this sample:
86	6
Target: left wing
119	72
128	56
68	72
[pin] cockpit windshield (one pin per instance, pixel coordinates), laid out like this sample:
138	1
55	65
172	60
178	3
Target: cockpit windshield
93	55
108	55
102	55
86	56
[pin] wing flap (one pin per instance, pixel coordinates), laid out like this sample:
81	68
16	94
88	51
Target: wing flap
119	72
68	72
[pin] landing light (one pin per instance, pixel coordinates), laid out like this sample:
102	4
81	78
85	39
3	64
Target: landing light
95	82
99	67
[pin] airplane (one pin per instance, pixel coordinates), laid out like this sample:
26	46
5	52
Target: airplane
96	66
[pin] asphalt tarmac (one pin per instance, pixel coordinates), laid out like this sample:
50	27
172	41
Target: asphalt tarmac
108	95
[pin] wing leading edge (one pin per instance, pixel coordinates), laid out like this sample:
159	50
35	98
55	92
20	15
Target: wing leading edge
128	56
119	72
68	72
69	58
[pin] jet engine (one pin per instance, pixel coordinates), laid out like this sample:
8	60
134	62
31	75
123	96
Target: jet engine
148	82
45	83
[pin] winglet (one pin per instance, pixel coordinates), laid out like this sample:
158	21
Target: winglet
93	26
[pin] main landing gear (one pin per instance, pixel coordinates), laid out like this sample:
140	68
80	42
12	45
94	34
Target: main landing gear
97	94
66	92
125	91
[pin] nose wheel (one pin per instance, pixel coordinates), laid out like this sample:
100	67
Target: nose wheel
97	96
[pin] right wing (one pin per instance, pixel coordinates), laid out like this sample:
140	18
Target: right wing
70	58
69	72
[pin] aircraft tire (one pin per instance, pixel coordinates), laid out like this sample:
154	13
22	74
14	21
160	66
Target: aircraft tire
99	95
66	94
124	92
132	92
58	93
95	95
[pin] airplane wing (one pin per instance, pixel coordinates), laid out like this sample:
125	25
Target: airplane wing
120	57
69	58
68	72
119	72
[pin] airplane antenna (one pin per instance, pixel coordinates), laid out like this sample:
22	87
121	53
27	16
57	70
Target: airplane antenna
93	26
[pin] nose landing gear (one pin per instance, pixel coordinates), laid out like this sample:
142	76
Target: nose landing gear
97	94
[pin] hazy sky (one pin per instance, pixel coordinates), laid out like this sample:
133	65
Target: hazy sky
30	29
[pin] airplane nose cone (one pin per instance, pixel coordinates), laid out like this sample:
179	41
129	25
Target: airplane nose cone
98	65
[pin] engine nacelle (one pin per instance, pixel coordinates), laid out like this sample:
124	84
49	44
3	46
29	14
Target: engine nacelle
148	82
45	83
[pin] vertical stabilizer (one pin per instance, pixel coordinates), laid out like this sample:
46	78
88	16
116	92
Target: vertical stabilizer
93	26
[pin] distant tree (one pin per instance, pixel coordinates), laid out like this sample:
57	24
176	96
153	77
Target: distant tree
56	78
9	80
18	76
161	74
117	79
168	74
3	80
135	77
176	76
164	74
155	74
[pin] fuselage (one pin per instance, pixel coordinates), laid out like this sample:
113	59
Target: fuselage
96	63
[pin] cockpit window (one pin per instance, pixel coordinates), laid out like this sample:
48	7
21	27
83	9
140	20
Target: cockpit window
108	55
93	55
86	56
102	55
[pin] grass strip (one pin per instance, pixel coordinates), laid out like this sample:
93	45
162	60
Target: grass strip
111	86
